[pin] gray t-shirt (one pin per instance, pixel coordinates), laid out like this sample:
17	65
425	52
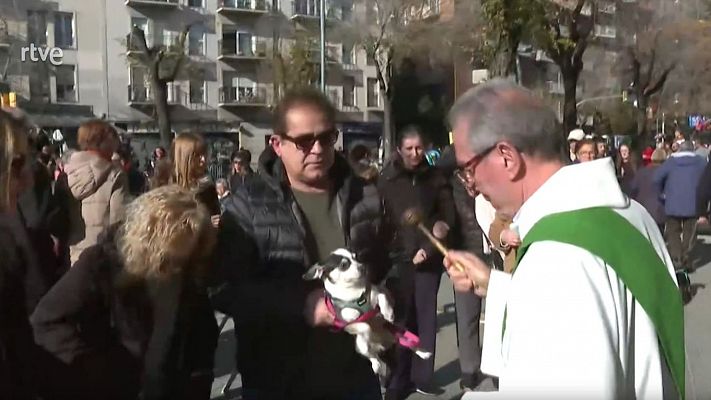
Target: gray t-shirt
322	222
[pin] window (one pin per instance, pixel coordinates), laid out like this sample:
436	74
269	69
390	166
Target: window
244	43
197	91
348	54
39	82
196	3
196	41
142	24
63	30
349	91
66	84
373	95
37	28
347	12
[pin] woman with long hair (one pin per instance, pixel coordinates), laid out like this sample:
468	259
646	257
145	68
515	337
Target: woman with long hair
626	166
189	171
22	283
132	318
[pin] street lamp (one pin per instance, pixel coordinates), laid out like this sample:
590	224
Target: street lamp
322	23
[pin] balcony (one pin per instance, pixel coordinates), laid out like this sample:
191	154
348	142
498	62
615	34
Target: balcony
244	96
142	95
555	87
309	11
605	31
153	3
242	7
4	40
234	50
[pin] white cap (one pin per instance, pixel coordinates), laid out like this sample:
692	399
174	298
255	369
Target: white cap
576	134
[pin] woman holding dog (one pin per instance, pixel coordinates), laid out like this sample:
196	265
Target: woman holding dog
410	182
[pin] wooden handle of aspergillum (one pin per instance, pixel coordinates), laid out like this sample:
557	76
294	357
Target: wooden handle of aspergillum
442	249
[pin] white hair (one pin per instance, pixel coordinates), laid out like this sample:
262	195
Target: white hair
501	110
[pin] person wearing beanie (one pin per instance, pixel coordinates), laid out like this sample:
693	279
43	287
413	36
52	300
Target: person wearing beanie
677	179
646	192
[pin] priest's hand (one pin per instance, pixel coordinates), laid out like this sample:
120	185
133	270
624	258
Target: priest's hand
475	276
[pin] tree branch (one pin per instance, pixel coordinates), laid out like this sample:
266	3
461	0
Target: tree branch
635	67
181	56
648	91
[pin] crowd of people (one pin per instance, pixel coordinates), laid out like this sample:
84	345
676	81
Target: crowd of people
110	277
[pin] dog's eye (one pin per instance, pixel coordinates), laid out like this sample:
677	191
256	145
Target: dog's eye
344	265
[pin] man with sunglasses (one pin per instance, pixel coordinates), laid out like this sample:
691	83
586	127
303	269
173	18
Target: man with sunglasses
592	309
304	203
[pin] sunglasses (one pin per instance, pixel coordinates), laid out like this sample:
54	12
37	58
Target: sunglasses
306	142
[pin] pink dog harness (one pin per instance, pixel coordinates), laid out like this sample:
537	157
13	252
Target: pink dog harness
404	337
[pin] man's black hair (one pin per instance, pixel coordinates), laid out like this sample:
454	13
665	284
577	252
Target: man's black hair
303	96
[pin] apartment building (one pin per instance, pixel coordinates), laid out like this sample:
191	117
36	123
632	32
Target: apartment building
225	90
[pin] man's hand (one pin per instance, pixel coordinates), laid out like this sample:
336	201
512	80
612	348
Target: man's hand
509	238
420	257
315	310
703	221
476	272
215	219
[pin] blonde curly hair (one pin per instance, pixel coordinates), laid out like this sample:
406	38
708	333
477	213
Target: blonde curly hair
166	231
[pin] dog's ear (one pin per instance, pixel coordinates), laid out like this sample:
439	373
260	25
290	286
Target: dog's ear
314	273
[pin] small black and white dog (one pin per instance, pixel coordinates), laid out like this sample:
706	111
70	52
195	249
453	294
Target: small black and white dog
361	309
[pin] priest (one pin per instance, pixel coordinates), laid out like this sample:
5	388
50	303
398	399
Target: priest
592	309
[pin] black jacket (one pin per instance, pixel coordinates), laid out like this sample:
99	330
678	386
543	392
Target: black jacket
466	234
262	258
426	189
240	180
119	338
22	284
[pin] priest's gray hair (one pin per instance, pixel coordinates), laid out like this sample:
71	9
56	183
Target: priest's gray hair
500	110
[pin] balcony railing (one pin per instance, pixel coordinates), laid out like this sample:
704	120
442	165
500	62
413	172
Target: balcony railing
302	9
239	6
232	49
555	87
244	96
154	3
605	31
142	94
4	39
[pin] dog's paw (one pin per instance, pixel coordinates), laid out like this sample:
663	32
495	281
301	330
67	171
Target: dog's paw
425	355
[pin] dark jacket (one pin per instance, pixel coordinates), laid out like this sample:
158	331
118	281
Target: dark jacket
466	232
703	192
22	284
118	337
237	180
426	189
647	193
262	256
677	179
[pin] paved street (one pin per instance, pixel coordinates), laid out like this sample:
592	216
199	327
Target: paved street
698	340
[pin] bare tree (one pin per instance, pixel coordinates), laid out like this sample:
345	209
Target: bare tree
296	66
564	33
163	64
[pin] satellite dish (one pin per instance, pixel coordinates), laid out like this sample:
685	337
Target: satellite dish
57	135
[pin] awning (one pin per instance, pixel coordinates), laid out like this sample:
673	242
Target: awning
58	121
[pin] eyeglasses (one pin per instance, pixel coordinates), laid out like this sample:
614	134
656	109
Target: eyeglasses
465	173
306	142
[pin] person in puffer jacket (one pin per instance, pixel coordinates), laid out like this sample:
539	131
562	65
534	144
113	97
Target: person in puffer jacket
99	187
677	180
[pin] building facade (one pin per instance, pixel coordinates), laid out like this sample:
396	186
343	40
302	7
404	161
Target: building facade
225	89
